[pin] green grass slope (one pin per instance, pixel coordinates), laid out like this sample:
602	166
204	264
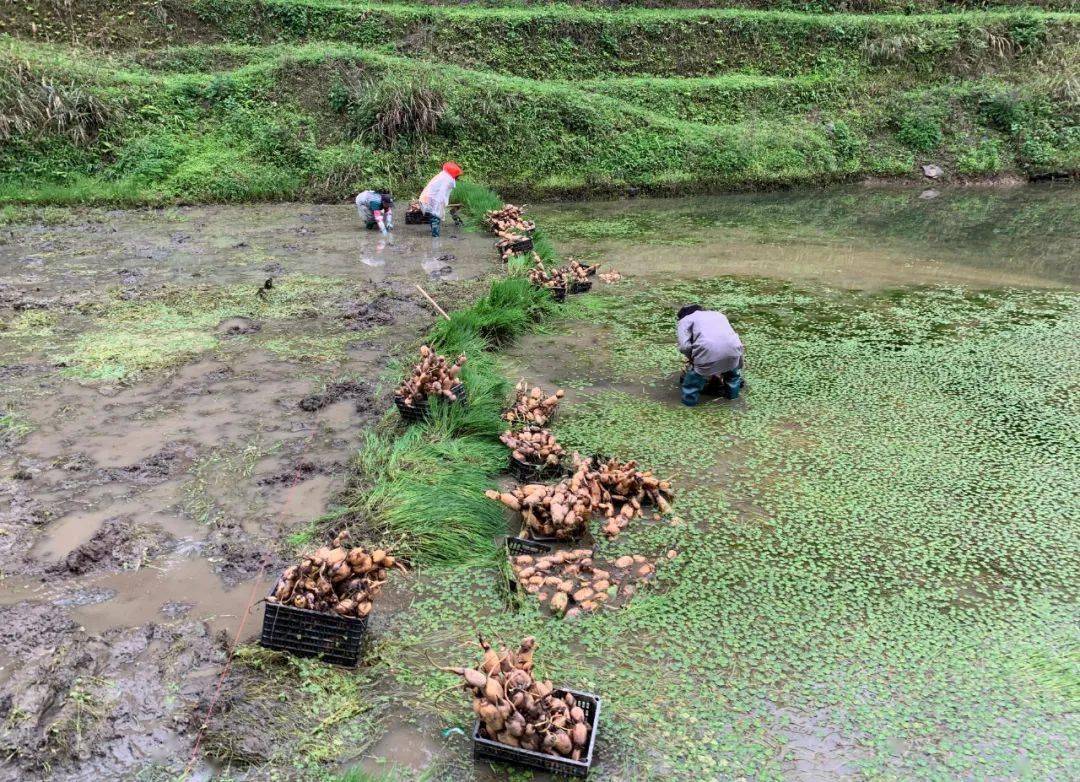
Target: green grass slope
314	99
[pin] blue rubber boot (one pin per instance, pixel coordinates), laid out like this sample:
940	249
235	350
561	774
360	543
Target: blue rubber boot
732	383
691	385
436	225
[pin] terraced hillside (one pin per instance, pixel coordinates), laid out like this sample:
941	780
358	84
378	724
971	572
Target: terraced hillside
230	100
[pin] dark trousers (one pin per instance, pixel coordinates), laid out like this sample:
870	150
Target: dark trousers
692	384
436	225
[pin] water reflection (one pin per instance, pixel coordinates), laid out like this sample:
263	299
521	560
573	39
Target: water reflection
854	236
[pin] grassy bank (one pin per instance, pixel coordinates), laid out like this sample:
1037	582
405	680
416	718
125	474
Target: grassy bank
321	121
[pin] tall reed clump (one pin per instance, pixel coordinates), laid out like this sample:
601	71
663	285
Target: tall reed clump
422	491
32	105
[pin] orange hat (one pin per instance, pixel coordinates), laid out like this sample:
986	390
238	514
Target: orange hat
452	168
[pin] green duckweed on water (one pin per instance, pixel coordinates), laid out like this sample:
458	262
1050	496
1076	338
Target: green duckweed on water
878	557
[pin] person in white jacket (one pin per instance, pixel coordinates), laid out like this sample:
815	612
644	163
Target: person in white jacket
713	350
436	196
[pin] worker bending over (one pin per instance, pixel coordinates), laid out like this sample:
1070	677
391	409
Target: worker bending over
436	195
376	209
713	350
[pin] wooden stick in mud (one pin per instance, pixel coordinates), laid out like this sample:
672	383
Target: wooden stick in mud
433	304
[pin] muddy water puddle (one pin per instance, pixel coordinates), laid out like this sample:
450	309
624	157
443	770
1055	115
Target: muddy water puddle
227	244
144	504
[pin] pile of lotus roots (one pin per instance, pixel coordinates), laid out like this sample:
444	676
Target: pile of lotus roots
570	582
624	490
336	579
517	710
533	445
540	277
509	219
578	272
615	491
433	376
560	511
532	406
563	277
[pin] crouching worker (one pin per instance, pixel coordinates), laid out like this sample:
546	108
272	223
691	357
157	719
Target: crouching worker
713	350
376	210
436	195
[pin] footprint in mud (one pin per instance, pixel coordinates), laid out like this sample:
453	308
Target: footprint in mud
295	473
120	543
360	316
232	327
154	468
175	610
334	392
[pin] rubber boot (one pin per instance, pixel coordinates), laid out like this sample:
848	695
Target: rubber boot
732	384
691	385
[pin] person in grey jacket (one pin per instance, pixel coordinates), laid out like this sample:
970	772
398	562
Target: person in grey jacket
713	350
376	210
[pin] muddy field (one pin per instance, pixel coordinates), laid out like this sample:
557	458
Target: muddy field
169	427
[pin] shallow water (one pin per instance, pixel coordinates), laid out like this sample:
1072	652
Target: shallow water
858	237
892	474
226	244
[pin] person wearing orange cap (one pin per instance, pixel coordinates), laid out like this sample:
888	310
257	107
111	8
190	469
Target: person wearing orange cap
436	195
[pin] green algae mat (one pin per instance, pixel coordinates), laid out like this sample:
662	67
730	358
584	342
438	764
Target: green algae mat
877	546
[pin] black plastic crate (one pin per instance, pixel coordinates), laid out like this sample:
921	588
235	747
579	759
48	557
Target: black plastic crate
485	748
516	546
518	247
579	286
419	411
559	294
527	472
416	217
300	631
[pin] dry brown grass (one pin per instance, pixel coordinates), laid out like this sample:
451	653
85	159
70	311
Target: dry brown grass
32	105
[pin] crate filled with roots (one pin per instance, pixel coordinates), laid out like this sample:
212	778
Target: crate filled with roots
415	215
532	406
535	454
526	721
554	281
559	511
574	278
580	276
513	230
319	607
510	218
433	378
510	244
519	547
615	492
